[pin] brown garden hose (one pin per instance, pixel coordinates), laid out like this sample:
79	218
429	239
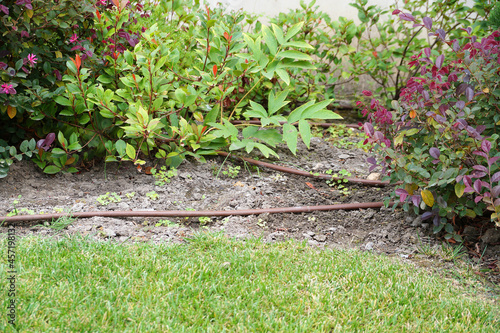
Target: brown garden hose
305	173
184	213
324	125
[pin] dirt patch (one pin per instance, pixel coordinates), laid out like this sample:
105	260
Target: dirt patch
196	187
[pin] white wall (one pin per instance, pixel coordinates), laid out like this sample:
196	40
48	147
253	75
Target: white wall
270	8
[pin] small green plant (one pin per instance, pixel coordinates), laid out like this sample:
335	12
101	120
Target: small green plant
152	195
61	223
338	180
261	223
204	220
163	176
19	211
130	195
231	172
106	199
167	223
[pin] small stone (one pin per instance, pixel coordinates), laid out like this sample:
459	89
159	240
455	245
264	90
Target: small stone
344	156
425	225
276	237
310	233
320	238
374	176
123	206
109	233
369	246
369	214
491	236
312	242
197	196
318	166
417	222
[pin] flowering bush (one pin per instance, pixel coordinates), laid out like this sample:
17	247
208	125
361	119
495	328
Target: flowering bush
442	133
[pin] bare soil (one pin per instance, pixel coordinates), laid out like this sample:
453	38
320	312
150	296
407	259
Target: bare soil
384	231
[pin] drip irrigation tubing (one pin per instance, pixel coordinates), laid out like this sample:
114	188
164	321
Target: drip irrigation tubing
325	125
184	213
305	173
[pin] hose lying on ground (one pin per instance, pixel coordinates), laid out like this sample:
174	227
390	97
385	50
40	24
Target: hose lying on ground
184	213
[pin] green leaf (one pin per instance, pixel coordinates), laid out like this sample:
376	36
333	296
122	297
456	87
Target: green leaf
290	135
227	130
128	57
278	33
289	63
121	147
459	189
305	132
266	151
32	144
298	44
295	55
318	111
283	75
51	169
24	146
63	101
296	114
276	102
269	39
58	152
270	136
130	150
293	30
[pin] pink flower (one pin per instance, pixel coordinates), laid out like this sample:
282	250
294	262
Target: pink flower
73	38
32	59
367	93
8	89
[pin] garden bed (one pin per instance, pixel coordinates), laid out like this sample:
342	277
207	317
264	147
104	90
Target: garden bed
196	187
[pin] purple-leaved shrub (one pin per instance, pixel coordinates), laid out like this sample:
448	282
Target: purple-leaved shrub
440	139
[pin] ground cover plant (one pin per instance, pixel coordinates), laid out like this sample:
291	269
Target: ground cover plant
213	283
440	140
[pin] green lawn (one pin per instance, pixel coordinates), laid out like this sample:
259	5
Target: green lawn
214	284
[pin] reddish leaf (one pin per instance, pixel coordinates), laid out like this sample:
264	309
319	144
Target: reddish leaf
469	93
226	36
78	61
427	22
214	69
486	146
495	192
407	17
427	52
480	168
439	61
434	152
493	160
477	186
496	177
